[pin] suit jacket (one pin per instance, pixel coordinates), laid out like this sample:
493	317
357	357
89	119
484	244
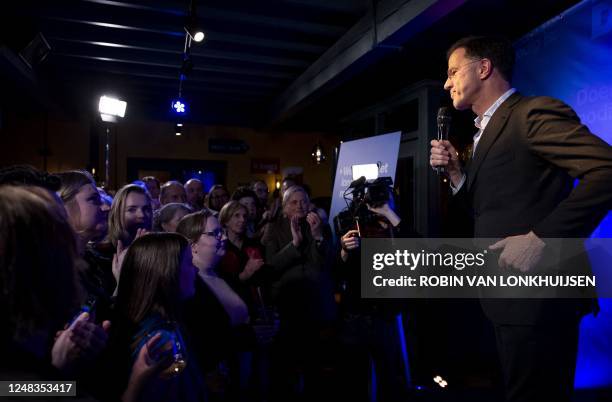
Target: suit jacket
521	179
302	284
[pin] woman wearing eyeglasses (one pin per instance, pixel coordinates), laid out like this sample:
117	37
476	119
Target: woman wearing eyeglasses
208	240
217	318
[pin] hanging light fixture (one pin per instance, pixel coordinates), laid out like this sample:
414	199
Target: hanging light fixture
195	32
318	154
192	26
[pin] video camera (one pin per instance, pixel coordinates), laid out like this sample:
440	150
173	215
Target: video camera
374	193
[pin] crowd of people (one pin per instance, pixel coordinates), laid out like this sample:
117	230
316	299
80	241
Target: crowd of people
165	292
162	292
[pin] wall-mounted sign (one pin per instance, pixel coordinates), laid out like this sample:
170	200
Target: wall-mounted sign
265	165
225	146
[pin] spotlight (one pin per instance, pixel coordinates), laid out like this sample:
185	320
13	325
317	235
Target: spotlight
277	184
178	106
111	108
199	36
440	381
195	32
192	26
178	129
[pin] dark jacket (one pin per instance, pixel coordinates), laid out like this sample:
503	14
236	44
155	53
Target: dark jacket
521	179
207	326
302	286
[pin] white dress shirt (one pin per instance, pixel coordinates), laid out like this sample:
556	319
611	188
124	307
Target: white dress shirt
481	123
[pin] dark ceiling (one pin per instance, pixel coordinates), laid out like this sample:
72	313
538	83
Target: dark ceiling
300	64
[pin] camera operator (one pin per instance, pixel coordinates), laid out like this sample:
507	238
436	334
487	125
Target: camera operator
350	240
368	327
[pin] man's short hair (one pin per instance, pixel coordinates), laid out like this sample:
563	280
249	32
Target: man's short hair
292	190
497	49
147	179
242	192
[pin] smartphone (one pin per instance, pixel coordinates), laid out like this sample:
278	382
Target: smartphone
88	307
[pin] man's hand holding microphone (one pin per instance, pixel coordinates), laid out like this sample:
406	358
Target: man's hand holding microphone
444	155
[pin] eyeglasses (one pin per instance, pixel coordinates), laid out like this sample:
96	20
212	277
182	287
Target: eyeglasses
218	233
453	71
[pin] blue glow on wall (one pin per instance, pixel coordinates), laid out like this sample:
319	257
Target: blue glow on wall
570	58
207	178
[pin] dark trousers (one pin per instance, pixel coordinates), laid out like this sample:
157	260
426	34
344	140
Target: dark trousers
300	363
366	339
538	361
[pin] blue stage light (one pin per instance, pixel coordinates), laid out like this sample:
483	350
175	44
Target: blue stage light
179	106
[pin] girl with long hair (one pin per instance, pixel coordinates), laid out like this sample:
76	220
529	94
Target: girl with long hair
157	277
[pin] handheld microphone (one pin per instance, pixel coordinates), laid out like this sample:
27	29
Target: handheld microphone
443	120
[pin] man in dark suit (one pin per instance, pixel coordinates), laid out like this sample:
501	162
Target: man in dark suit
518	186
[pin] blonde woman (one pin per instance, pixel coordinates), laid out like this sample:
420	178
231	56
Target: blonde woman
130	217
131	211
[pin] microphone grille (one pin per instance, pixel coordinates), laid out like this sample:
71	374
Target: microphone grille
444	111
444	114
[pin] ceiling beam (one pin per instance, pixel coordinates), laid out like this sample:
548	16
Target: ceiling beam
192	78
174	64
205	53
162	91
345	6
167	31
205	12
364	44
212	36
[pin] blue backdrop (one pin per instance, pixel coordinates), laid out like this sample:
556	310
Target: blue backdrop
570	58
